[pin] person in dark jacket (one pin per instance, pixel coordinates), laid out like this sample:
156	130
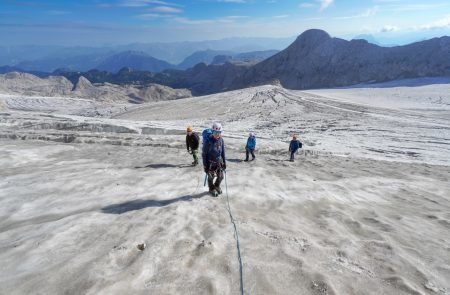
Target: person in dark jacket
192	143
213	155
250	147
294	146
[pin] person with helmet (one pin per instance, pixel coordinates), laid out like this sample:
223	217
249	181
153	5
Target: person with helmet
250	147
214	163
294	145
192	143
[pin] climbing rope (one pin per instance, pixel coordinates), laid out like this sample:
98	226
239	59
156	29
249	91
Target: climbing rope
236	235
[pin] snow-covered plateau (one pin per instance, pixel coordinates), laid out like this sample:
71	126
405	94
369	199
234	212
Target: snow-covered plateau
364	209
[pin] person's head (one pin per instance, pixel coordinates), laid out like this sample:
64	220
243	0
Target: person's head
189	130
216	129
294	137
251	134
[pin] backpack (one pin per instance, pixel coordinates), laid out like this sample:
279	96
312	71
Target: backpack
206	135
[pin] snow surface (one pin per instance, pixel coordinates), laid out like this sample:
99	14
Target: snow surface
364	209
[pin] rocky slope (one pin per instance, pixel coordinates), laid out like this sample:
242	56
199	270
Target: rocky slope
316	60
27	84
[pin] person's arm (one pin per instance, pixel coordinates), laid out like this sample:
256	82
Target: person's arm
197	140
187	143
223	155
205	155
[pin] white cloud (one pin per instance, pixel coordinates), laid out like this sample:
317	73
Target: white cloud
387	1
236	16
324	4
149	16
415	7
369	12
232	1
306	5
281	16
166	9
388	28
187	21
440	23
141	3
226	19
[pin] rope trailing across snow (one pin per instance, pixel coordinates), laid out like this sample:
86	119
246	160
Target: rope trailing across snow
236	235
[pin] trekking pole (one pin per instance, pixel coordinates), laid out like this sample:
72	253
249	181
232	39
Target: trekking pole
206	177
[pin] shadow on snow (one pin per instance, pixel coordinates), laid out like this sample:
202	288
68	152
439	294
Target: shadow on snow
158	166
141	204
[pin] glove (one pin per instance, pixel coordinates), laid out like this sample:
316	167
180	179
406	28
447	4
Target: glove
224	166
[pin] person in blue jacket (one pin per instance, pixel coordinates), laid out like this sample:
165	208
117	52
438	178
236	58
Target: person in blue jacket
294	145
214	164
250	147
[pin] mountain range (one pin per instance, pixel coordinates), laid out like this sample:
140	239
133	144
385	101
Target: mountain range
84	58
137	60
313	60
316	60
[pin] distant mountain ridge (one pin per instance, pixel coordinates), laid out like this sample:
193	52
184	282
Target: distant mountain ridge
316	60
31	56
135	60
204	56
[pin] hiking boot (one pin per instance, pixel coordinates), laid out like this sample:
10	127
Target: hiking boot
213	193
246	160
253	159
219	190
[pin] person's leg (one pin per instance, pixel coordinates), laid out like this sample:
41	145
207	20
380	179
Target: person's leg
195	155
218	181
253	153
211	181
246	154
292	156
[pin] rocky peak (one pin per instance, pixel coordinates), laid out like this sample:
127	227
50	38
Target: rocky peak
312	36
82	84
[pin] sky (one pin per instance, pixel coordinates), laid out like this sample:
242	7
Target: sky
101	22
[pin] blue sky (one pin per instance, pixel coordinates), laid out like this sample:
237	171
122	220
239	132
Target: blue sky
99	22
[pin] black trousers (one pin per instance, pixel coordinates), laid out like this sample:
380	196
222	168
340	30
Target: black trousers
217	175
249	151
292	155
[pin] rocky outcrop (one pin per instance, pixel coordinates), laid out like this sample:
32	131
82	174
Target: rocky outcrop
30	85
156	92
